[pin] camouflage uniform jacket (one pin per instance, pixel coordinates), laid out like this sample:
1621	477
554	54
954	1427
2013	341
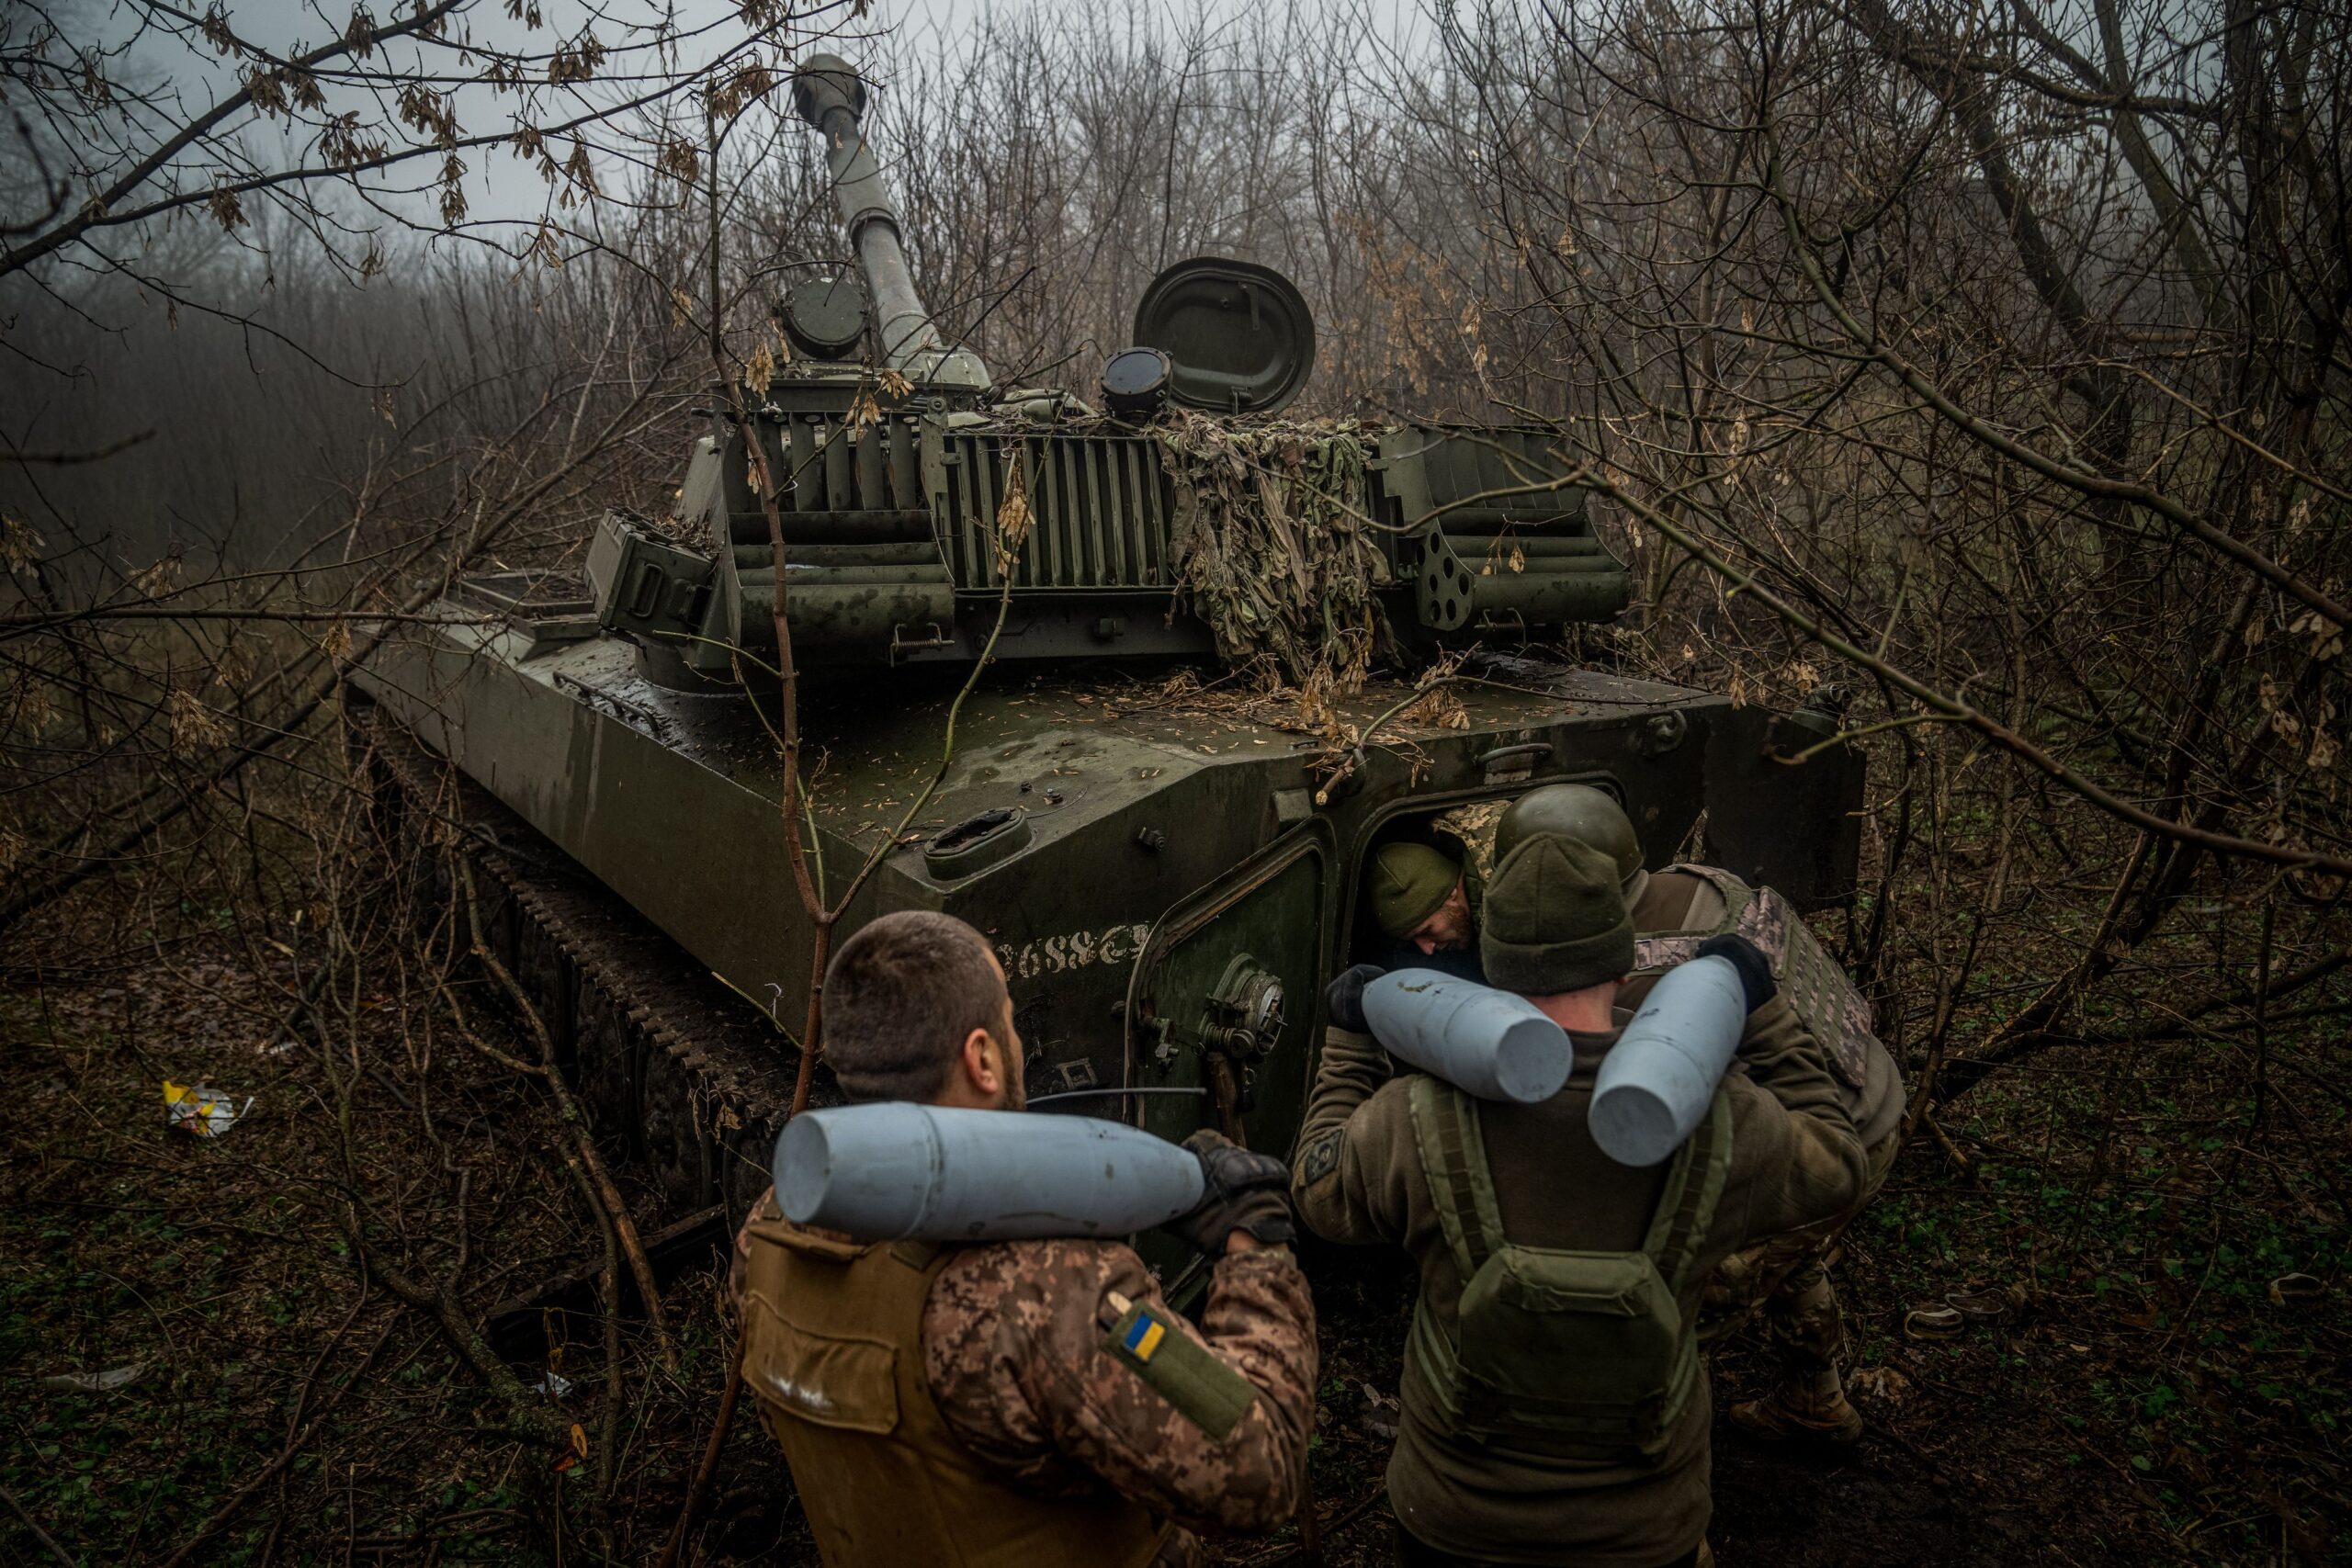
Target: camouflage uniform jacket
1016	1340
1682	905
1358	1180
1473	826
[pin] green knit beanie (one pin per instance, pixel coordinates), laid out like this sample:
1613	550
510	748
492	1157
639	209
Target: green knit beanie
1408	883
1555	920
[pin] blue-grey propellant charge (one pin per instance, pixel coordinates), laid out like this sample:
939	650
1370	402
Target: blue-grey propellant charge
1657	1081
893	1171
1487	1043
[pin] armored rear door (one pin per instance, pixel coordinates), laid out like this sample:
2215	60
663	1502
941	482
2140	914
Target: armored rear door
1222	1005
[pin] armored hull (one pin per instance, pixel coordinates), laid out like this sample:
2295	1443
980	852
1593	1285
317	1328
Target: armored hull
1143	868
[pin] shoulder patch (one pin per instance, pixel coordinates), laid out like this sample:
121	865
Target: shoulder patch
1320	1158
1181	1370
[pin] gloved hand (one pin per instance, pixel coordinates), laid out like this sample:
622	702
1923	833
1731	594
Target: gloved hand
1243	1191
1755	969
1345	997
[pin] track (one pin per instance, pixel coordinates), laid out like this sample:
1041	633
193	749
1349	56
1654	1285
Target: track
678	1073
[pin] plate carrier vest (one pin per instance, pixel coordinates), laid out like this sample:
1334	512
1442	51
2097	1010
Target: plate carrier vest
1814	984
1561	1354
833	1350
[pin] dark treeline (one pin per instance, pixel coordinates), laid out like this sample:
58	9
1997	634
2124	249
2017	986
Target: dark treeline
269	419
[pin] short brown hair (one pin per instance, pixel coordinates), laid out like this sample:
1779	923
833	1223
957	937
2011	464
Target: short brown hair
901	997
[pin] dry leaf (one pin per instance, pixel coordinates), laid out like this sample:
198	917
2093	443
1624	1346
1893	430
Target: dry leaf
194	725
1879	1383
19	546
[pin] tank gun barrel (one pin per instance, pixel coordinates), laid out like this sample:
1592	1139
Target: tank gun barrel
830	95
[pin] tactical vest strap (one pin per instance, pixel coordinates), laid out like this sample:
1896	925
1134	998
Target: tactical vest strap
1686	1210
1727	887
1735	893
1454	1157
926	1258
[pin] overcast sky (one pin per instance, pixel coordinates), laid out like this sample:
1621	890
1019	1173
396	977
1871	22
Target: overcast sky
501	187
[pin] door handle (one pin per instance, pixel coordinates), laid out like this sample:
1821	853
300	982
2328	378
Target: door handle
1499	764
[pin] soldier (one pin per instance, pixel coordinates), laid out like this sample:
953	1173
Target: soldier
1420	901
1017	1405
1787	1277
1424	897
1535	1430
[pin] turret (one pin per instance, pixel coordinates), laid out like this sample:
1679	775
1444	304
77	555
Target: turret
886	499
830	95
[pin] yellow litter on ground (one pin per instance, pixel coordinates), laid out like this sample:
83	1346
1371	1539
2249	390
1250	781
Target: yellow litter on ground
201	1112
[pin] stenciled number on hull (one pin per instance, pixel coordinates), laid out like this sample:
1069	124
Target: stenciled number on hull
1073	949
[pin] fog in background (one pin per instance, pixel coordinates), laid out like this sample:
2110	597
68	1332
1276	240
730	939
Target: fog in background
1049	159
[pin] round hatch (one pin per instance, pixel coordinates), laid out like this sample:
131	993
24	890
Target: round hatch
1135	382
1238	336
824	318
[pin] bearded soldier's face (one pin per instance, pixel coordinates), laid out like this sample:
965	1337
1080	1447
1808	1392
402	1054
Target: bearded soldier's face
1450	928
1016	1088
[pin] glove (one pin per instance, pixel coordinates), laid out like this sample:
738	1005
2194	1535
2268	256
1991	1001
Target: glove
1755	969
1242	1192
1344	996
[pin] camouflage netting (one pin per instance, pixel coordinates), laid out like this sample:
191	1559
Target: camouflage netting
1272	549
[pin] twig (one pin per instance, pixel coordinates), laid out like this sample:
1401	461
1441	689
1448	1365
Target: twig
797	855
1951	1151
2261	1018
707	1470
608	1284
616	1206
947	740
298	1433
1354	757
1345	1521
68	459
466	1032
1948	993
527	1418
34	1525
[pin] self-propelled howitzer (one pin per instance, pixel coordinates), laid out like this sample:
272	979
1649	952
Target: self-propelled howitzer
1168	877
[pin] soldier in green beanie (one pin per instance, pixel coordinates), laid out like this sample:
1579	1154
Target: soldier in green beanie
1529	1433
1418	895
1784	1280
1424	904
1556	923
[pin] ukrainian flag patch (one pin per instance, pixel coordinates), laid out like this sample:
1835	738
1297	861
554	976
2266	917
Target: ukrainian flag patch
1181	1370
1143	1336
